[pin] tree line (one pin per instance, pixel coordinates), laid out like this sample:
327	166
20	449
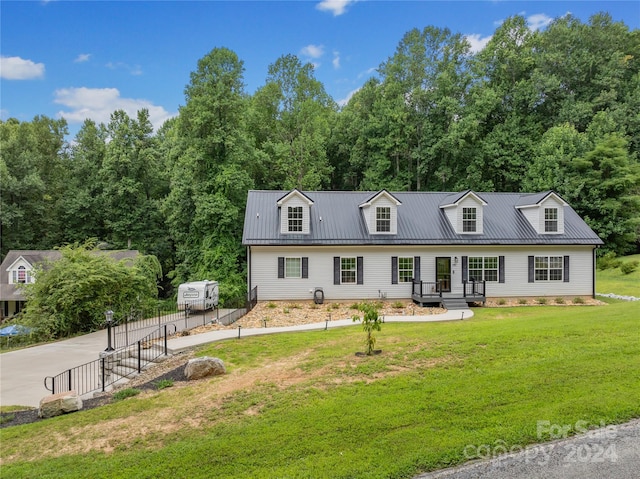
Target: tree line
555	109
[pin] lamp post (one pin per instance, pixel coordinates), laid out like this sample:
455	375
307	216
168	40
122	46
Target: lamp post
109	316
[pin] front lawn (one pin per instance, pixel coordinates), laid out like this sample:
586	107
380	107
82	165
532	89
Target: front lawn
303	405
614	281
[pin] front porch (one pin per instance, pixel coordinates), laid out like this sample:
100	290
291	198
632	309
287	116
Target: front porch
439	292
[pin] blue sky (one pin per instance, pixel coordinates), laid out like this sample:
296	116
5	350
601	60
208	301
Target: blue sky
86	59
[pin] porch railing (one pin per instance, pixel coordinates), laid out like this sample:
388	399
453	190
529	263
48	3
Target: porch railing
428	289
473	289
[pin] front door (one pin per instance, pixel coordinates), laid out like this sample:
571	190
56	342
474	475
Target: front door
443	273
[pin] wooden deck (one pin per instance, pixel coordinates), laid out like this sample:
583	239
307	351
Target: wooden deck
430	292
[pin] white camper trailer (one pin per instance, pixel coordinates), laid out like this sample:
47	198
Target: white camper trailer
198	295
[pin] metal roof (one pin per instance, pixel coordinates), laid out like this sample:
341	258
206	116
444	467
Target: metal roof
336	219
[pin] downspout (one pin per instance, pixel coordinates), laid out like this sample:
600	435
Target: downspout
248	270
593	268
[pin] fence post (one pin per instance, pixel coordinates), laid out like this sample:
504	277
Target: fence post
139	357
69	376
159	319
104	377
166	346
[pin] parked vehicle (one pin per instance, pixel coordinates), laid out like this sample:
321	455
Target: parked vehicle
198	295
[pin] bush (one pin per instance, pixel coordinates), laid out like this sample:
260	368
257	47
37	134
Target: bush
125	393
608	261
559	300
629	267
541	300
578	300
164	383
522	301
397	305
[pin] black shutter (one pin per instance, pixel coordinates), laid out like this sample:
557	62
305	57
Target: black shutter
394	270
336	270
360	270
280	267
565	274
465	268
305	267
532	274
416	268
501	269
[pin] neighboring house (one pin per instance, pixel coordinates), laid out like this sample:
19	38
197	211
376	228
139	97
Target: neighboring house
425	245
17	269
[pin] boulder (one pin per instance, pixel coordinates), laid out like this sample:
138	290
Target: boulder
61	403
199	368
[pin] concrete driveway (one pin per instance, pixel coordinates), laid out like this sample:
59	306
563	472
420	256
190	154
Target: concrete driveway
22	372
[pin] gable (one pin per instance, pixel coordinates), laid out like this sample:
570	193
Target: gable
295	215
544	212
465	212
380	213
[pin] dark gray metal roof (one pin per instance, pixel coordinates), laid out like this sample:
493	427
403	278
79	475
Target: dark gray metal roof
336	219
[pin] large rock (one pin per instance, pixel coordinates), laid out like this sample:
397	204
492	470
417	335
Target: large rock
61	403
199	368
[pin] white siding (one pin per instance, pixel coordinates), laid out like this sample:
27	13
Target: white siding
369	213
294	201
377	271
469	202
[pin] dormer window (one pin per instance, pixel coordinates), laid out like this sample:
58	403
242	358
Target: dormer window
468	220
21	275
383	219
551	220
294	214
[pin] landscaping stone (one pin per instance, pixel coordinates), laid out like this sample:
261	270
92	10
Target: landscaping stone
199	368
61	403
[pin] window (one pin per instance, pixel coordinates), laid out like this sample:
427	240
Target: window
405	270
293	267
548	268
295	219
483	268
21	275
383	219
468	220
347	270
551	220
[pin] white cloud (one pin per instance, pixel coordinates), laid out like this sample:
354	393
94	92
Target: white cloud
477	42
135	70
336	60
313	51
538	21
98	104
337	7
16	68
367	73
83	57
346	99
4	114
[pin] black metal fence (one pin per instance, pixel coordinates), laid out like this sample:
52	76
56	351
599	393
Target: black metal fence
427	289
473	289
112	366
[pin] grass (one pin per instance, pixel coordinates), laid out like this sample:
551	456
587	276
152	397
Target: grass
436	389
614	281
126	393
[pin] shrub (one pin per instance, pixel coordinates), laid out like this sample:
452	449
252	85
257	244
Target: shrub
541	300
294	306
397	305
370	322
164	383
271	305
502	302
559	300
125	393
335	306
629	267
608	261
522	301
578	300
285	310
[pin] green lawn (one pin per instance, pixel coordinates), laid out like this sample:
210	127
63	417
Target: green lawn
614	281
437	395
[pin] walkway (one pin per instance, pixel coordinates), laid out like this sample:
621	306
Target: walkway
22	372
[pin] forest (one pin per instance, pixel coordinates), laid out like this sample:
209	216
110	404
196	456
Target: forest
534	110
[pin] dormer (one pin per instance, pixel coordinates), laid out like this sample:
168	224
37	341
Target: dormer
20	272
295	212
465	212
544	211
380	213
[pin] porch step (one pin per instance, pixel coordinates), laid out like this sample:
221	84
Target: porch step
454	303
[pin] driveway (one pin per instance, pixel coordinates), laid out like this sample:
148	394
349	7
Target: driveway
22	372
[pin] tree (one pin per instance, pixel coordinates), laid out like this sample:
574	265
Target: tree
71	294
211	157
371	322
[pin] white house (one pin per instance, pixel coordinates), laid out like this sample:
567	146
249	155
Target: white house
17	269
427	245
